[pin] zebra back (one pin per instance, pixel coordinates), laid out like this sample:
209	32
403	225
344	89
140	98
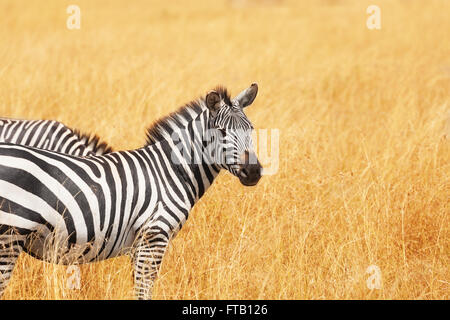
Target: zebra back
51	135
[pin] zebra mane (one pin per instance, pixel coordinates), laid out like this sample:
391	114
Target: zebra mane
163	127
93	143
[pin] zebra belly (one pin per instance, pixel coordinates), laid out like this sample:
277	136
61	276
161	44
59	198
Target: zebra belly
54	250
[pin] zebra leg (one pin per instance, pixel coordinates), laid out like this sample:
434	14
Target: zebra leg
149	251
11	246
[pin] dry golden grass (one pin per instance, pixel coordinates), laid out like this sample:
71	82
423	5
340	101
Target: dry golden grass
364	119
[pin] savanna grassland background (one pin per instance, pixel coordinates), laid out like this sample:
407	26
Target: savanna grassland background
364	120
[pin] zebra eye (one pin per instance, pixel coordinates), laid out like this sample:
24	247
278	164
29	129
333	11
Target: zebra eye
223	131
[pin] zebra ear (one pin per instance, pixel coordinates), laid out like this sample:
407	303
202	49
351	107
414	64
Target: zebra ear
213	101
246	97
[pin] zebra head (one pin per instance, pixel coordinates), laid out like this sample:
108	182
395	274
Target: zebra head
234	146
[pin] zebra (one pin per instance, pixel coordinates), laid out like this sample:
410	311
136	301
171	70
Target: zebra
51	135
126	202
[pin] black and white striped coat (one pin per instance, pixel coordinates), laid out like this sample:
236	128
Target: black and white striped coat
68	209
50	135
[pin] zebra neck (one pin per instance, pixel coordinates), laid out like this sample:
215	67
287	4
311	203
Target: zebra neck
194	165
183	151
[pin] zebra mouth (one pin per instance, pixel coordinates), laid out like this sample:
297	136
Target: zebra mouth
248	178
248	183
